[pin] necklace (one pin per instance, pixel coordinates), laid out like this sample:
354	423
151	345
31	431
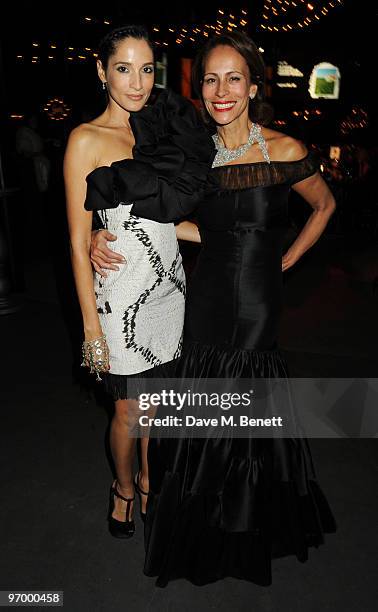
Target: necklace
224	155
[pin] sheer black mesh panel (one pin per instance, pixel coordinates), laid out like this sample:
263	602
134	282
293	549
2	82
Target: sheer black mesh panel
261	174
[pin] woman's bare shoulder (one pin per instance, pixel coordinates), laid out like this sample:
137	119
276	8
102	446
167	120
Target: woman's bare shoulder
83	148
84	134
283	147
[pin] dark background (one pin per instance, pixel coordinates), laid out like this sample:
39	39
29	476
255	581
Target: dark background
55	474
344	37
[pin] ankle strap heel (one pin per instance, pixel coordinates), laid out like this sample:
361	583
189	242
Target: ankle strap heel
140	492
120	529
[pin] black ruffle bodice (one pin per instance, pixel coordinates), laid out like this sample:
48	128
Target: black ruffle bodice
172	155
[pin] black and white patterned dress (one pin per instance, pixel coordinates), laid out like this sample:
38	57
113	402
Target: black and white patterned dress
141	306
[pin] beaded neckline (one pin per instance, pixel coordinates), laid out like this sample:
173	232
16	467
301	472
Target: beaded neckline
271	161
225	155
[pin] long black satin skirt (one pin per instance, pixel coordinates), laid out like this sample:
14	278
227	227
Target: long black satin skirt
227	507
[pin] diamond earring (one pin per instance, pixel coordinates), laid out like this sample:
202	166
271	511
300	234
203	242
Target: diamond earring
103	85
251	96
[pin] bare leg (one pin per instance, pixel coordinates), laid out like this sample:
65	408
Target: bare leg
123	432
143	479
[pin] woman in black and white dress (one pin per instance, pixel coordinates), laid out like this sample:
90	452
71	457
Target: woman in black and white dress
133	317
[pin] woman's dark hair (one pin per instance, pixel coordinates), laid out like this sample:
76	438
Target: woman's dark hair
259	111
108	44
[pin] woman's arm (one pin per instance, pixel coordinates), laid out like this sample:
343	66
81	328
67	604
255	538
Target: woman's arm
103	258
78	162
186	230
316	192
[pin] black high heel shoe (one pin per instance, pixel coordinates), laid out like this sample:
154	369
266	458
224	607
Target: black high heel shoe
140	493
120	529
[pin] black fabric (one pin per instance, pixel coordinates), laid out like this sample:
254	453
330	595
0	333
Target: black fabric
227	507
235	296
172	155
260	174
226	510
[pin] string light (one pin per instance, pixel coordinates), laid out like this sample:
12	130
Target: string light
276	9
57	110
192	34
357	119
183	34
307	114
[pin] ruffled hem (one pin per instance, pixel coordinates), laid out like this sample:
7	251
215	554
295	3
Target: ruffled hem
130	386
212	361
228	506
186	537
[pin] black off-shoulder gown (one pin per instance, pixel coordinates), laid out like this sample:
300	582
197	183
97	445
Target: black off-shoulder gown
227	507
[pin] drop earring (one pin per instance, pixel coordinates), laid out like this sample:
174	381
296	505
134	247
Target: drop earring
104	85
251	96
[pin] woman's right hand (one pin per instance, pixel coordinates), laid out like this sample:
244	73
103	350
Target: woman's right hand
103	258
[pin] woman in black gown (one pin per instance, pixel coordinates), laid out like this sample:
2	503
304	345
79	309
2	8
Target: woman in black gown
226	507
